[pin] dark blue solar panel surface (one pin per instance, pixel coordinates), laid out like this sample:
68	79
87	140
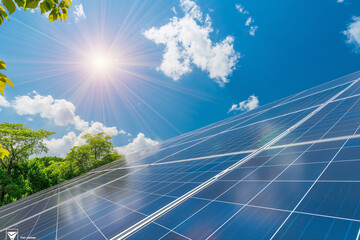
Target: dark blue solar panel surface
306	185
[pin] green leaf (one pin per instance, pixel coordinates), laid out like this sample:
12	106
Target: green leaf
20	3
2	87
1	19
51	3
10	5
45	7
2	65
3	13
32	4
54	15
5	79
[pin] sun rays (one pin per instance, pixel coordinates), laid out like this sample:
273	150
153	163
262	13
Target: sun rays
102	64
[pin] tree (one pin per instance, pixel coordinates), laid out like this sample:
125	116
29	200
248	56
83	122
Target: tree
57	9
97	151
21	142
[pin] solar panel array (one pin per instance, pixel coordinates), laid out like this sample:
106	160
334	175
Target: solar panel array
286	170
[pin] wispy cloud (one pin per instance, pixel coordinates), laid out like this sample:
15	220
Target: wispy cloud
249	21
340	1
252	30
188	43
79	13
251	103
241	9
353	33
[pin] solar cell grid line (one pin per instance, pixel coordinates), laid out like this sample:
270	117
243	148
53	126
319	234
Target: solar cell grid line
354	90
25	210
178	201
37	219
108	200
338	115
316	182
249	201
296	135
312	94
307	192
242	139
85	210
24	204
88	217
39	195
57	217
270	160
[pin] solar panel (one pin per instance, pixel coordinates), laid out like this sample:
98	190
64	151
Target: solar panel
287	170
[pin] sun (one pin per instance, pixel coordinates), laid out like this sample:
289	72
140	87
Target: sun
101	63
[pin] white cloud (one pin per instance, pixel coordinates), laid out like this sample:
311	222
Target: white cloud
241	9
353	32
97	127
249	21
251	103
60	146
139	143
4	102
187	42
252	30
79	13
61	111
340	1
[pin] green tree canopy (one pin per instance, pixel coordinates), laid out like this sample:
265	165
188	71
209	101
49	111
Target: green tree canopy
21	142
97	151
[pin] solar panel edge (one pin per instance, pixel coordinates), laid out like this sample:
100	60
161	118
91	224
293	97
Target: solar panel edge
129	231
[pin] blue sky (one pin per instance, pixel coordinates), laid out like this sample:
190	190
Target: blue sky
241	50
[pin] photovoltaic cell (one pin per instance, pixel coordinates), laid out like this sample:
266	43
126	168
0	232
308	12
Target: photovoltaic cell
305	185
